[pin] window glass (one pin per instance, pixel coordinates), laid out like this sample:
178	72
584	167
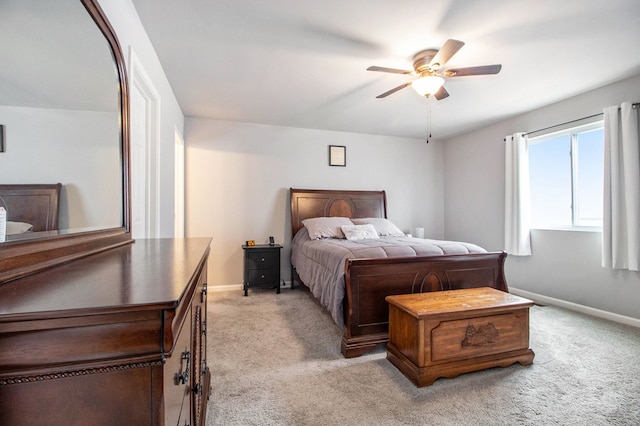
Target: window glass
550	182
566	178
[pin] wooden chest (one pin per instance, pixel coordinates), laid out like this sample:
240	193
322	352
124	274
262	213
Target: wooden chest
447	333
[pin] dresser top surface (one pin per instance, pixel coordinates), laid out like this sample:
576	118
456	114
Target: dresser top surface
147	274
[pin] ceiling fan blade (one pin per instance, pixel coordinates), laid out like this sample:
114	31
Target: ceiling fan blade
441	93
481	70
445	53
392	70
392	91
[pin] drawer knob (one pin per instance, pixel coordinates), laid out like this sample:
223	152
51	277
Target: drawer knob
262	260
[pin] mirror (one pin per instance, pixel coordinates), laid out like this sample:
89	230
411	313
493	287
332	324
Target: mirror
64	108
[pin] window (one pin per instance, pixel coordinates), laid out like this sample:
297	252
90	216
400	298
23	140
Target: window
566	178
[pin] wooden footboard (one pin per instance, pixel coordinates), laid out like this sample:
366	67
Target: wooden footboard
369	281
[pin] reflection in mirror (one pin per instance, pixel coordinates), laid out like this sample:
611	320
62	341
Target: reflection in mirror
60	107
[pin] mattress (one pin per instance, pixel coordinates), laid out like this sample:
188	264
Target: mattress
320	264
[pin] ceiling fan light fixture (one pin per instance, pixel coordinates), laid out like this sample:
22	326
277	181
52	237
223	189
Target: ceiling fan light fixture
427	65
427	85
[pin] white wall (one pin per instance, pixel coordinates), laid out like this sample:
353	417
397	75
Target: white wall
564	265
131	34
238	176
75	148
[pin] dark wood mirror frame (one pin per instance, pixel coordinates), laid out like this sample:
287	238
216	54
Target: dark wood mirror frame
20	258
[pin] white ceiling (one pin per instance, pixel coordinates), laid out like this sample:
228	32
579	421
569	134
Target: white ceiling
302	63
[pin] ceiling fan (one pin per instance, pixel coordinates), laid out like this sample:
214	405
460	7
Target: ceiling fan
428	65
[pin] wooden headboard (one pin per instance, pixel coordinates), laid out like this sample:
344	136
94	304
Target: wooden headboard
34	204
307	203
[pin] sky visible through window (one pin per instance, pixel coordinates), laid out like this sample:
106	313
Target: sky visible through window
551	180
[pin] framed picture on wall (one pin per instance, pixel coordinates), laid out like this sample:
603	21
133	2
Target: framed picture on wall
337	155
1	137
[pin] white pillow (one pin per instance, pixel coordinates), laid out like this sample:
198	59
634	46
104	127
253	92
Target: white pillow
325	227
384	227
18	227
359	232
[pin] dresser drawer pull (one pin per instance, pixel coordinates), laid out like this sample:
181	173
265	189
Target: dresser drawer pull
203	293
197	389
183	376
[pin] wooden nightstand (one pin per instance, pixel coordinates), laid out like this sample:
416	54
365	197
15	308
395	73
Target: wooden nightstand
262	266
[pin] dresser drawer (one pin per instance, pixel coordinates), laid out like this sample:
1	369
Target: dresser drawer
257	259
266	277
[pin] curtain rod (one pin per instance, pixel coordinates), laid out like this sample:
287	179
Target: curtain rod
635	105
562	124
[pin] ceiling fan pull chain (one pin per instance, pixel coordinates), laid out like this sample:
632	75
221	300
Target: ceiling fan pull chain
428	120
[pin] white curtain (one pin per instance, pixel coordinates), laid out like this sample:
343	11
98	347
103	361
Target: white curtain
517	240
621	218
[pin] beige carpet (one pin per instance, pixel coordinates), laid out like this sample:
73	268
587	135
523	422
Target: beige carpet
275	360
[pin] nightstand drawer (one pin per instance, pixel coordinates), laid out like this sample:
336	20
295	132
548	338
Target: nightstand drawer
258	259
258	277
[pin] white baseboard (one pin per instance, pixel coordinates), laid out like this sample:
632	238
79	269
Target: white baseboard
545	300
285	284
221	288
240	287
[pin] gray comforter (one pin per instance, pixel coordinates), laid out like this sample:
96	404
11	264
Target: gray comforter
320	263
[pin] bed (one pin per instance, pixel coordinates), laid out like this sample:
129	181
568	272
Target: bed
30	208
363	283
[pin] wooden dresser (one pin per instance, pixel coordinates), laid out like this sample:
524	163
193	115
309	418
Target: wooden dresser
117	337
